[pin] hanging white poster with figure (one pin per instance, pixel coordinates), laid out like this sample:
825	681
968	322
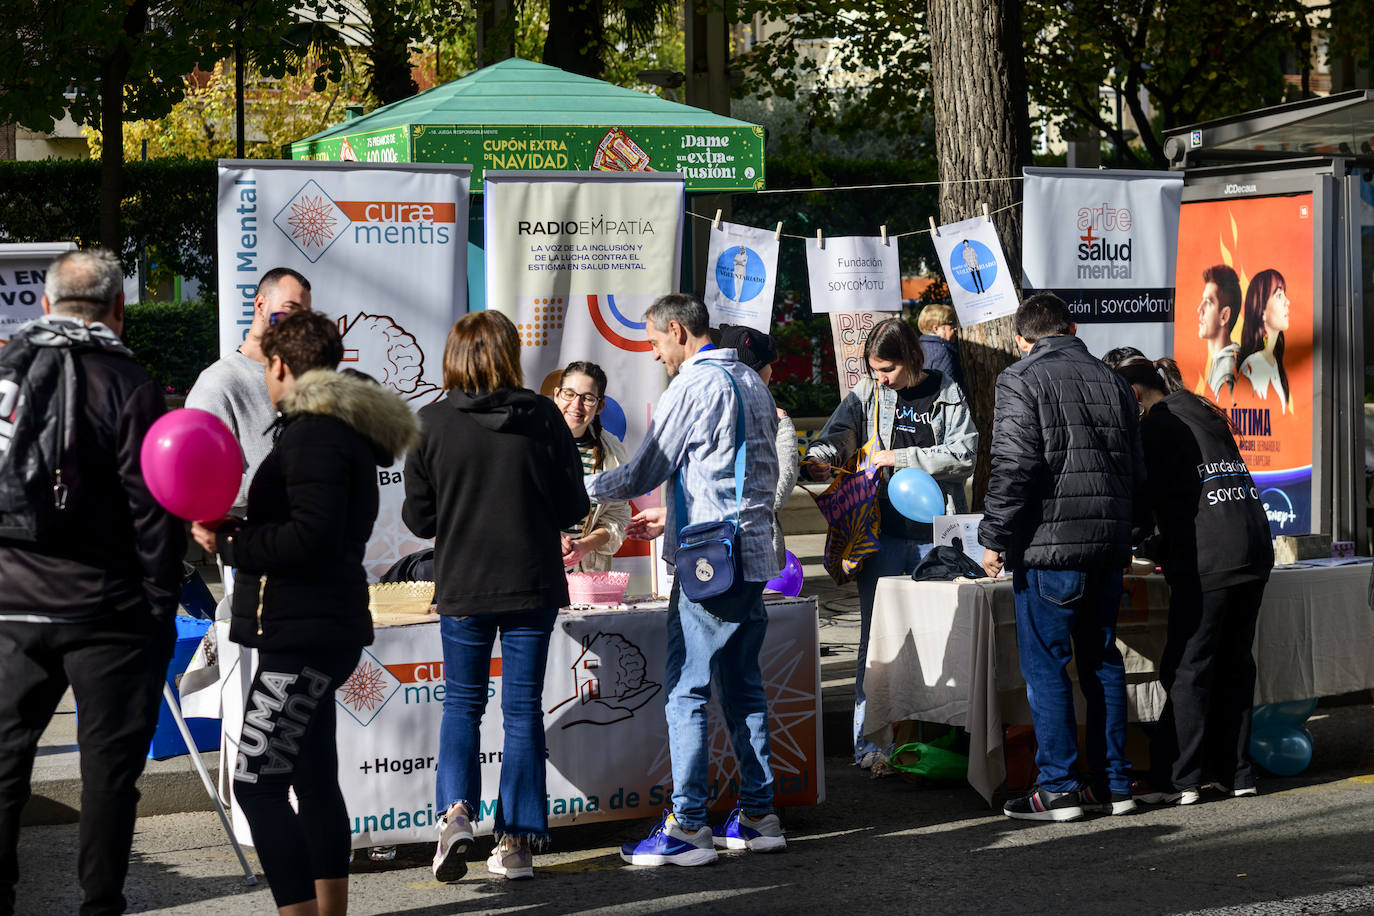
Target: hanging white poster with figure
976	270
1105	242
741	272
574	259
362	234
854	274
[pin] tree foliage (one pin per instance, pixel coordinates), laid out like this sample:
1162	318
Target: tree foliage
1192	60
585	36
390	33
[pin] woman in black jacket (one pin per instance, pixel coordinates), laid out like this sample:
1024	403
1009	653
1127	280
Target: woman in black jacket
300	599
1215	551
494	481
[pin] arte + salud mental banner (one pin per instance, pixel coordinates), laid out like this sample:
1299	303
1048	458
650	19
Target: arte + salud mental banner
1104	242
741	275
23	270
385	250
574	259
1247	342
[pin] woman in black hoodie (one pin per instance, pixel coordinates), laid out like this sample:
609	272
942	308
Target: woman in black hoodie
300	599
494	481
1215	551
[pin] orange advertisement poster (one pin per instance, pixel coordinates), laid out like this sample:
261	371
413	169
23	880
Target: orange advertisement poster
1243	336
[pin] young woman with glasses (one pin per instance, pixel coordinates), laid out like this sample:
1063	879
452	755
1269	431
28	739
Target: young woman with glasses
580	396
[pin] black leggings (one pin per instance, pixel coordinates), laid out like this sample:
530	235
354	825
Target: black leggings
288	742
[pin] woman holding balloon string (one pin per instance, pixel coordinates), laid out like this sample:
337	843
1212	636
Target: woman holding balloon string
1215	551
302	600
589	544
900	417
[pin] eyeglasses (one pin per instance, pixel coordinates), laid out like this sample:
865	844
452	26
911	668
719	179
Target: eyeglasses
567	394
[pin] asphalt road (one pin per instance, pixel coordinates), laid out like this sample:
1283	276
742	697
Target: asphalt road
1305	845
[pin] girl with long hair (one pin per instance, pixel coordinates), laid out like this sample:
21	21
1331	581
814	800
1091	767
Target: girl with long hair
1261	337
495	479
580	397
1213	545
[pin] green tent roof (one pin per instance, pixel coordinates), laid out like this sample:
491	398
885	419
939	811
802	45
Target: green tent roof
522	92
519	115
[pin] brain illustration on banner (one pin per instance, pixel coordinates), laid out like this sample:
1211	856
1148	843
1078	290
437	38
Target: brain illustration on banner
740	273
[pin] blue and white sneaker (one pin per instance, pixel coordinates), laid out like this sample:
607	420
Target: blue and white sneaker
670	844
740	831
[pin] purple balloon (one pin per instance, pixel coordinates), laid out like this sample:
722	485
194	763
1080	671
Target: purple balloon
192	464
789	581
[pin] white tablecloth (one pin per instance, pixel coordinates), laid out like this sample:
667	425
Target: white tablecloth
603	713
946	652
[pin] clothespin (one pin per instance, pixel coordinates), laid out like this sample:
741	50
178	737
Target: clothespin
715	223
882	230
820	239
933	229
986	215
777	233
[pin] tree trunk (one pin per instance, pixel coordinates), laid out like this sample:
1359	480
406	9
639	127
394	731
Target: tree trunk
113	73
389	56
982	131
575	38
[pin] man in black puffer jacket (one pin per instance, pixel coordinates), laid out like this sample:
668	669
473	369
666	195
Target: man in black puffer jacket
1066	464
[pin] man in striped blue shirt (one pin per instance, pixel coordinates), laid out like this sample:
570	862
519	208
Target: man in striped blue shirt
691	444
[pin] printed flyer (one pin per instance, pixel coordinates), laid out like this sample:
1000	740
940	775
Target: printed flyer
741	273
854	274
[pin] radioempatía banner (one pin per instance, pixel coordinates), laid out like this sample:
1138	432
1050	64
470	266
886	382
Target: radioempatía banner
741	274
1104	241
854	274
976	270
575	258
385	250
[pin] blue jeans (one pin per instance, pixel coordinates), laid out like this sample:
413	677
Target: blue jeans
1065	615
701	646
896	556
520	804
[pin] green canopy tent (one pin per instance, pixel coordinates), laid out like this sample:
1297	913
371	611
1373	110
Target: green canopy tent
518	114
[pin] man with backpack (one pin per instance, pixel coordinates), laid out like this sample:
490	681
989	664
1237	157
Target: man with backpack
90	564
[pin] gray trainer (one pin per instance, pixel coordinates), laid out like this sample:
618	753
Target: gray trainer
512	858
455	839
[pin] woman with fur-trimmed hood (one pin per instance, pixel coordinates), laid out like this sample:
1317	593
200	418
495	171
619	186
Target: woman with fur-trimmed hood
300	598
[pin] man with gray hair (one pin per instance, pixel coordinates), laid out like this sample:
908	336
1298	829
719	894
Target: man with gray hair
692	446
91	566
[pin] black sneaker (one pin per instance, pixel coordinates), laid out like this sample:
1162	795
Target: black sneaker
1113	803
1044	805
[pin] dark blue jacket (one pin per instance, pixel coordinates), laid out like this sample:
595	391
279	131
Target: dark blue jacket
943	356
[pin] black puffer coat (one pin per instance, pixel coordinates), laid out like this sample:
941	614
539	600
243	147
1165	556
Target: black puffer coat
299	580
1066	461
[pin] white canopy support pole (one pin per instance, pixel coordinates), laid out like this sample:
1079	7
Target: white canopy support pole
170	696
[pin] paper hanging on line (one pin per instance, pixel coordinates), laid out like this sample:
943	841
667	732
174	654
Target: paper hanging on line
975	267
741	275
854	274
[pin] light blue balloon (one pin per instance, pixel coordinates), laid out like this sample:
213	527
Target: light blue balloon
1294	712
1283	751
915	494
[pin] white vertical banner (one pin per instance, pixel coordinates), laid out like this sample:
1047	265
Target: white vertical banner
849	331
575	258
1105	241
385	250
975	269
741	275
854	274
23	269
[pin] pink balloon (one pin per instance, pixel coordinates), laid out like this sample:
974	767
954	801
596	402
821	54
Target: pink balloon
192	464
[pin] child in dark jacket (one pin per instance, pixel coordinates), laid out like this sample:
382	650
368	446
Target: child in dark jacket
1214	548
301	598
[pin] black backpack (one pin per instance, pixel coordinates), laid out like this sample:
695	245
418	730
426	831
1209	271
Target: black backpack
38	466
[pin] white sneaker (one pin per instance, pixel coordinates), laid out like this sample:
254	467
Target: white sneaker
1243	792
871	759
512	858
740	831
455	838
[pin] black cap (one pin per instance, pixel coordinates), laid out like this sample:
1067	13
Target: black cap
756	349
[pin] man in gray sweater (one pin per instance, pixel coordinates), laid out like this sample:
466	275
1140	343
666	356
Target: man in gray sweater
234	387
